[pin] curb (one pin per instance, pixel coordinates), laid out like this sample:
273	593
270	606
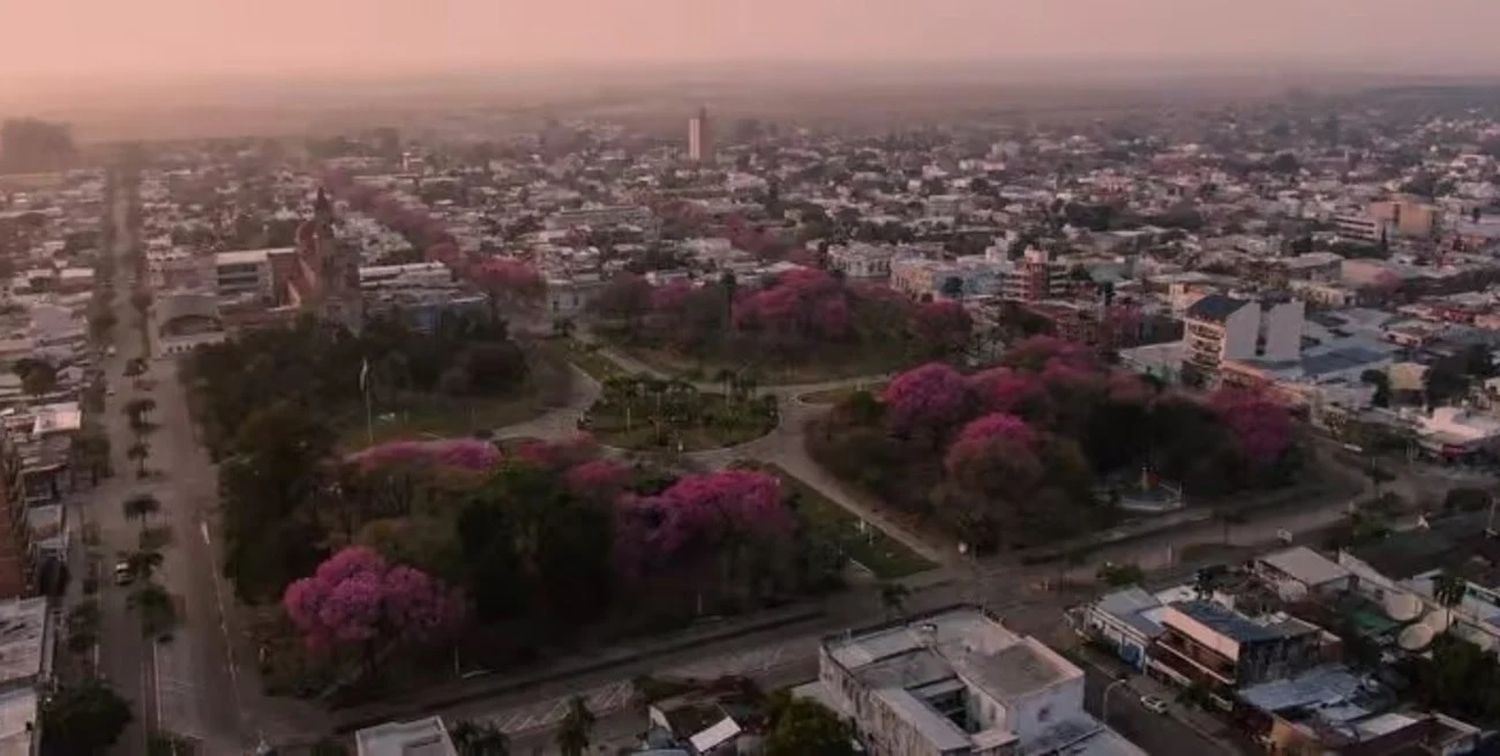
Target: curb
517	684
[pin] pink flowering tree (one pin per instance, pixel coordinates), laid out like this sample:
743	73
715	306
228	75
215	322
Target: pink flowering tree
357	598
798	307
1261	425
992	452
508	282
1037	352
468	454
1005	390
996	441
598	480
701	515
943	326
559	455
927	399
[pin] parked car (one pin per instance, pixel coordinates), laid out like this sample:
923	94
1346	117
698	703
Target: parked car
1154	704
123	574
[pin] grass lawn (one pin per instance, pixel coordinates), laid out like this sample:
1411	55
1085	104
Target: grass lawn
599	367
609	428
436	415
885	556
444	417
830	362
834	396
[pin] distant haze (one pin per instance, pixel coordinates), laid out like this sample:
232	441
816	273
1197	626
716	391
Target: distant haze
165	68
99	38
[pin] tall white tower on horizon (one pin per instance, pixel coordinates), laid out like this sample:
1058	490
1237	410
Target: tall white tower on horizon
700	138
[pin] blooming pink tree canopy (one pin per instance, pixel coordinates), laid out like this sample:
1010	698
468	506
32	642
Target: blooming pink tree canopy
1037	352
801	303
1262	425
357	597
457	453
598	479
1011	391
697	514
944	325
508	279
559	455
993	435
930	398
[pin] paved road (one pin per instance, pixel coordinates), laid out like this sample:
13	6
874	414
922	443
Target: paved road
191	684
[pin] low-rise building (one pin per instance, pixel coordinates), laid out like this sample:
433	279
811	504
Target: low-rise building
419	737
859	260
957	682
1299	573
1210	645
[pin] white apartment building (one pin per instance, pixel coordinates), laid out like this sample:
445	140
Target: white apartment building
1360	227
957	682
860	260
1221	328
246	272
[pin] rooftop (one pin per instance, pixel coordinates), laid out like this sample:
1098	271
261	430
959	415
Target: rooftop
1305	565
420	737
18	716
23	639
1235	626
1215	307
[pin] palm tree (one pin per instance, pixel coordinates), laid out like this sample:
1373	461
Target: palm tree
143	564
138	452
137	409
140	507
573	731
155	606
1449	590
726	377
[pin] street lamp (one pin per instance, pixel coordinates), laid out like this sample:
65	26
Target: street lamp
1104	704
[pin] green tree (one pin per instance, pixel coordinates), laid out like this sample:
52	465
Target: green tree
270	491
155	607
800	727
478	739
1450	589
141	507
38	377
138	453
82	719
574	731
893	598
144	563
137	410
90	449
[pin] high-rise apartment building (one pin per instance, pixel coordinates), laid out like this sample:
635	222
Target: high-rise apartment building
700	138
1220	328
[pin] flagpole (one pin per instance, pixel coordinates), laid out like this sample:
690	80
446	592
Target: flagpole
364	387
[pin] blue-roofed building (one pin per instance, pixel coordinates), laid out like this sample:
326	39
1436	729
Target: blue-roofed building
1128	621
1208	644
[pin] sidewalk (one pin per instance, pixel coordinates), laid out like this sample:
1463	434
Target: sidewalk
583	663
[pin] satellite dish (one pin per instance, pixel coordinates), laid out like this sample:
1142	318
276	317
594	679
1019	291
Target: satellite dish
1415	638
1402	607
1438	621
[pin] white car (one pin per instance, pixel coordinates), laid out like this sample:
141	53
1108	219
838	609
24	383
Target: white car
1154	704
123	574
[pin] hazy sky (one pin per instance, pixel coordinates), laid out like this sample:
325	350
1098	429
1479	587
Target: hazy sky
111	38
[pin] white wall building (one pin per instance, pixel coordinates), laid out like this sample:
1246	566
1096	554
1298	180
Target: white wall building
956	682
859	260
